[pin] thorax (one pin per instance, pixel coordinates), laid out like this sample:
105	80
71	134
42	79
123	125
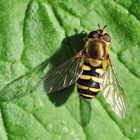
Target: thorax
96	52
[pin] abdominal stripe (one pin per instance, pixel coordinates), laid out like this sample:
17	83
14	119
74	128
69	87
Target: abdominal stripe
87	92
91	73
88	82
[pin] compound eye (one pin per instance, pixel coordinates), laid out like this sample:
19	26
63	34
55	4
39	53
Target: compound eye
106	37
93	34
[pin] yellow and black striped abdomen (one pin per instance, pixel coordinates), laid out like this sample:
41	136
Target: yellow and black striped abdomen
88	84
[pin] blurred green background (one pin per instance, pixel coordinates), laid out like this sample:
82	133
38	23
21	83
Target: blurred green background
38	35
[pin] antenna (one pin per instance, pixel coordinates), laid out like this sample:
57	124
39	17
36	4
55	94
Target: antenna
98	26
104	27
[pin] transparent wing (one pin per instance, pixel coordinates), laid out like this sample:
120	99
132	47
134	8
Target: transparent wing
113	93
65	74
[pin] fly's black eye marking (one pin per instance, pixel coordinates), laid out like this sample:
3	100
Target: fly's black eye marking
93	34
106	37
100	31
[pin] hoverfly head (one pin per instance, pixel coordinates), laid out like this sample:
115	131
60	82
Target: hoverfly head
99	34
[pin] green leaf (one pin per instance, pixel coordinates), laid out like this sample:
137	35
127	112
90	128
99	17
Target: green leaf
85	112
38	35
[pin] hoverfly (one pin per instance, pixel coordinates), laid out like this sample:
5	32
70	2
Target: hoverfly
93	71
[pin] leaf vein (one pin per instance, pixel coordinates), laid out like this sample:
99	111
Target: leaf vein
127	10
4	123
23	31
136	76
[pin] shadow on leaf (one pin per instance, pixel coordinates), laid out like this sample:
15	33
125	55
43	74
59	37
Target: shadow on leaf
69	46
